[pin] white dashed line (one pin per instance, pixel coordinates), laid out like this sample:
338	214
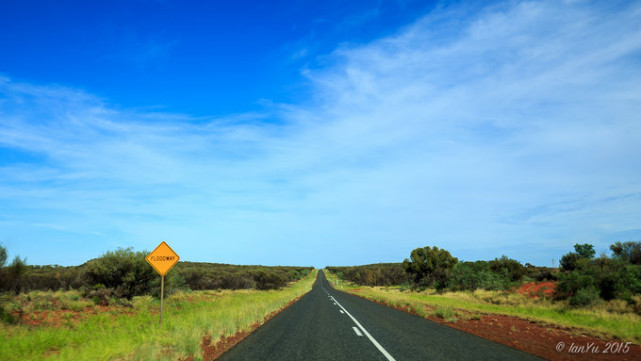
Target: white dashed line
358	333
378	345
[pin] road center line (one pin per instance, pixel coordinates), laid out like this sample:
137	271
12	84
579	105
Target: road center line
378	345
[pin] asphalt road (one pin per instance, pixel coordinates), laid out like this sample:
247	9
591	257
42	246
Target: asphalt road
327	324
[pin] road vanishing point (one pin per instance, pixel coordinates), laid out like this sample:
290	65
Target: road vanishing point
327	324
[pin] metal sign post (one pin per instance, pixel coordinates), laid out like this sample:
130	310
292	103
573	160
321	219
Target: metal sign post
162	259
162	294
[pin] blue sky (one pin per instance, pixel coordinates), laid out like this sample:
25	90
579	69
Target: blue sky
315	133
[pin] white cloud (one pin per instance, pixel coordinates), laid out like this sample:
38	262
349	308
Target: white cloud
510	129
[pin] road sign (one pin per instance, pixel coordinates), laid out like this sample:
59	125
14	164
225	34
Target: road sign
163	258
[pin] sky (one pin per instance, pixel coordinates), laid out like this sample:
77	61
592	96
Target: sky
319	133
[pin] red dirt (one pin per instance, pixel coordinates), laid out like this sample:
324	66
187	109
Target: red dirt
536	290
538	338
64	317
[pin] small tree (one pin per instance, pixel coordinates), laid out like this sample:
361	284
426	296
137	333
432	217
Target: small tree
628	251
585	250
3	261
510	268
580	258
16	271
429	265
3	256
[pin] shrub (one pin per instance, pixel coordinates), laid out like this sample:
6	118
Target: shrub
15	273
3	256
508	267
124	271
628	251
378	274
540	274
5	316
584	297
572	282
469	276
429	266
636	304
609	278
580	258
268	280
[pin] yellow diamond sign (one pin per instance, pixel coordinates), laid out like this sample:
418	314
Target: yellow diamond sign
163	258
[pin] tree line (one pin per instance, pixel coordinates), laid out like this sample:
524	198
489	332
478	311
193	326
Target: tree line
582	278
125	273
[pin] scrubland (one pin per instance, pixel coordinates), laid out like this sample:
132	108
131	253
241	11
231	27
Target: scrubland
63	325
614	318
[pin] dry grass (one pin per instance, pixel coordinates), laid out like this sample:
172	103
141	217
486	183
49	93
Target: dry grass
606	319
132	332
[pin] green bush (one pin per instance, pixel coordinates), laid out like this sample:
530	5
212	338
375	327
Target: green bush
507	267
469	276
200	276
608	278
627	251
430	266
124	271
268	280
378	274
584	297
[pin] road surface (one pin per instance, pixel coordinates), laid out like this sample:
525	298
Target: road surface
327	324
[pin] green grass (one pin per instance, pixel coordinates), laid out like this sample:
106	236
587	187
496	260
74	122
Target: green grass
604	320
187	317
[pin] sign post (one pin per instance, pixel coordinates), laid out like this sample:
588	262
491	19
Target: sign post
162	259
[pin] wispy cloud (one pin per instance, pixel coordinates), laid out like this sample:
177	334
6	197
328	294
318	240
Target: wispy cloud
512	128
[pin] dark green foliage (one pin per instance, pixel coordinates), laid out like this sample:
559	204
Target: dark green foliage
15	273
580	258
571	282
3	256
268	280
628	251
541	274
584	297
201	276
507	267
99	294
469	276
429	266
5	316
124	271
585	250
379	274
3	277
55	277
121	274
569	262
608	278
185	275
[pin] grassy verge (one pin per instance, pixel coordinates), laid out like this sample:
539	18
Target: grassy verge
603	320
134	333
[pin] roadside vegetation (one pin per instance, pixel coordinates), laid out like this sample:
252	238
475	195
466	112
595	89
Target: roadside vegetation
599	295
108	308
63	325
124	273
